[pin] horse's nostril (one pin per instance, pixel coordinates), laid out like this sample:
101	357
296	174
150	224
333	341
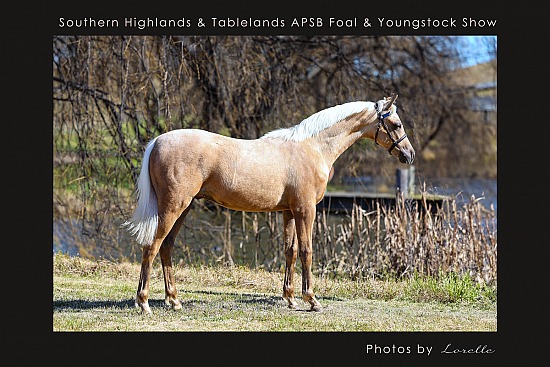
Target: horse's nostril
407	157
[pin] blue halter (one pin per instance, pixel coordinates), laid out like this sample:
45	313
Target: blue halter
382	123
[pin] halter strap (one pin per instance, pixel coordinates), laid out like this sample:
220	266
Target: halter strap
381	123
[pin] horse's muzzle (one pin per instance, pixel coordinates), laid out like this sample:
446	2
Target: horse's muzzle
406	157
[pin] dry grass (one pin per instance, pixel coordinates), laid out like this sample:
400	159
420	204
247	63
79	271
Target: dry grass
478	73
410	239
402	241
98	295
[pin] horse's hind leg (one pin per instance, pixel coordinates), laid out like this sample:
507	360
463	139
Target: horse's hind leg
142	295
167	219
166	259
291	251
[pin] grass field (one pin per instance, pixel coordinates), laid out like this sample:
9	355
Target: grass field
98	295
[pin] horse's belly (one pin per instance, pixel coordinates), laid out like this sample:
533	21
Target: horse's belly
251	200
246	192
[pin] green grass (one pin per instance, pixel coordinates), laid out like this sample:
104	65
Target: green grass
451	288
98	295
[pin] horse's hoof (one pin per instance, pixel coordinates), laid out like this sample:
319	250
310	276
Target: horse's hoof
316	308
144	307
174	303
292	304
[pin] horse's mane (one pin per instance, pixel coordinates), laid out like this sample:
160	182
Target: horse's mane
318	122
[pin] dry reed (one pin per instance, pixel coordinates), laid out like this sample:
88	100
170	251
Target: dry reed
409	238
401	240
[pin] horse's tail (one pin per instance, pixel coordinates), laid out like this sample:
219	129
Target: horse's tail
144	222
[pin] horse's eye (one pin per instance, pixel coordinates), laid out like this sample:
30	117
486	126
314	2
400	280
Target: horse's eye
398	125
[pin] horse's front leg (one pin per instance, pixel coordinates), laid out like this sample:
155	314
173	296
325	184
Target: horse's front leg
291	252
304	217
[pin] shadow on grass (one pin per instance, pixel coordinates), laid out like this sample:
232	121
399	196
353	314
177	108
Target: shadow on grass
79	304
242	298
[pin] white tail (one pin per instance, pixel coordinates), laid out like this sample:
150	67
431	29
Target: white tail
144	222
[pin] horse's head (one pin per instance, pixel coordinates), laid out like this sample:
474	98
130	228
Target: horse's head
390	132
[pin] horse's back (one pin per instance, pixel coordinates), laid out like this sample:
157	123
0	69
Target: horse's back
188	147
240	174
188	140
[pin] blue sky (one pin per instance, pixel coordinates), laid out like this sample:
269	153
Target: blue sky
476	49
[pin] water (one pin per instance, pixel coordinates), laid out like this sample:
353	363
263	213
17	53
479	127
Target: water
65	236
201	238
462	189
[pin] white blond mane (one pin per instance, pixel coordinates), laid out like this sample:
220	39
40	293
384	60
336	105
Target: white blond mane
318	122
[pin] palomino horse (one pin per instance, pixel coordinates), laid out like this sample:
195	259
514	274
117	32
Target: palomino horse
285	170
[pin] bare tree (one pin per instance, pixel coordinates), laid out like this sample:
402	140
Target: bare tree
112	94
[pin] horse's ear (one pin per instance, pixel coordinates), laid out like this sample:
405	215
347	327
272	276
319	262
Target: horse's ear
388	104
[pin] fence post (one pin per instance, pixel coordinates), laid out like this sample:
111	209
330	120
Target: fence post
404	182
411	180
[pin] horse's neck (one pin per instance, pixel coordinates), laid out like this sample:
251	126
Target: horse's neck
335	140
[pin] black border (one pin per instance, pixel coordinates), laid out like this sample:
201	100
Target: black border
27	163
